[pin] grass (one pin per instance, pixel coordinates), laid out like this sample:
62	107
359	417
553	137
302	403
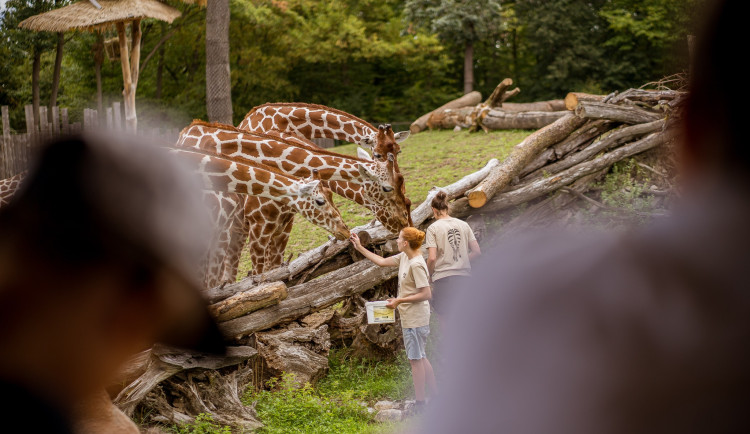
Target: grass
431	158
338	403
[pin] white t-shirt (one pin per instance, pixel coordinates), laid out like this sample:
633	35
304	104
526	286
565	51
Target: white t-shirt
412	275
451	237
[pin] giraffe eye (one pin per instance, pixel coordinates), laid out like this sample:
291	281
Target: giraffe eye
376	155
320	202
387	188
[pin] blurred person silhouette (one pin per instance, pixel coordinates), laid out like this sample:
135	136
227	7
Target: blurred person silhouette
98	256
647	332
451	246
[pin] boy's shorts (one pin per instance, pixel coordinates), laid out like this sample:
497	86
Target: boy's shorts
414	342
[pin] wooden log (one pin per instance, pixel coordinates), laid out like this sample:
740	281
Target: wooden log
554	105
625	114
302	351
8	163
646	95
523	153
573	98
165	361
248	301
578	138
534	189
496	98
450	118
311	296
615	138
470	99
500	120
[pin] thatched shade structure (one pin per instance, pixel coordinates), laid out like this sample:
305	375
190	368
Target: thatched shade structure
85	15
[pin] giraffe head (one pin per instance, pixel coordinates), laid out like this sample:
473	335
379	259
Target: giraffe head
389	204
384	141
314	201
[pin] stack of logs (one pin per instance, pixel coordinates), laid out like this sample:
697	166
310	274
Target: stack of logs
493	114
284	320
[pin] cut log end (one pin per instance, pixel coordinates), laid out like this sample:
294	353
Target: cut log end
477	198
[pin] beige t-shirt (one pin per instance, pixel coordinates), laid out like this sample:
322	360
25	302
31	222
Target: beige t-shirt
412	274
451	237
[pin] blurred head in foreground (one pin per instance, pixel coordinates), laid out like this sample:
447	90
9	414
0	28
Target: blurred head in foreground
98	254
646	332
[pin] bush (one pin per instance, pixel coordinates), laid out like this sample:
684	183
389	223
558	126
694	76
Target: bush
204	424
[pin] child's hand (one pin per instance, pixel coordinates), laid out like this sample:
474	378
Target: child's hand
392	303
355	240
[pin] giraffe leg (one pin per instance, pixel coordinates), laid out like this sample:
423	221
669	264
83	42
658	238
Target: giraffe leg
279	240
237	237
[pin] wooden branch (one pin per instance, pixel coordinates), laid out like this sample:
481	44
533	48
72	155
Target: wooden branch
249	301
554	105
311	296
496	98
625	114
598	204
576	139
522	154
651	97
470	99
501	120
617	137
543	186
510	94
573	98
166	361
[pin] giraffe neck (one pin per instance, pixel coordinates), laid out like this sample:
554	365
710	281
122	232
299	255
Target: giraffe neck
308	120
9	186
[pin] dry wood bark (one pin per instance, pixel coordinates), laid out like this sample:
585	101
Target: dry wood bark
523	153
248	301
554	105
501	120
615	138
450	118
576	139
301	351
542	186
311	296
470	99
648	96
573	98
625	114
165	362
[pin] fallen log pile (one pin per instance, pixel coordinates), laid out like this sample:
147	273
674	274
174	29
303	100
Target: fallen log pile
492	114
285	320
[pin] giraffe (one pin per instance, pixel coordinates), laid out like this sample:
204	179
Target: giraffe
317	121
8	187
309	197
373	184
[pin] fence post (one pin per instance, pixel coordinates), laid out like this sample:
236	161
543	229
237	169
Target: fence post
65	128
7	165
117	119
30	124
43	124
109	118
55	120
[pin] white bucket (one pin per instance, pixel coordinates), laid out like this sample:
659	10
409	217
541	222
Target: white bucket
377	313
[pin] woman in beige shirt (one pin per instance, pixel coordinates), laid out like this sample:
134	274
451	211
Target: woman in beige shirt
451	246
412	304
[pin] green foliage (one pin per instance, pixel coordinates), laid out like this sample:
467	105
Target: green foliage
456	21
204	424
289	409
622	189
365	379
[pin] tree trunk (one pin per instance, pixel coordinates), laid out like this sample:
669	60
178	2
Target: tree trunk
35	84
218	79
468	67
470	99
160	63
522	154
539	106
628	115
500	120
98	58
573	98
56	73
249	301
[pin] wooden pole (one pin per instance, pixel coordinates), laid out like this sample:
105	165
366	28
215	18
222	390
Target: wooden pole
117	119
55	120
7	165
128	87
65	126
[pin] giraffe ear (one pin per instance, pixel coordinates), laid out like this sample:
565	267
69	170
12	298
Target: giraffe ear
367	172
400	137
308	188
368	142
361	153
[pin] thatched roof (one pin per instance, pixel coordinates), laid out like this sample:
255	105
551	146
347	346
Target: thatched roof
83	15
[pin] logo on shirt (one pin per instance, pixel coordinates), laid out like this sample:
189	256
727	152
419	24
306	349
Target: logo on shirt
454	239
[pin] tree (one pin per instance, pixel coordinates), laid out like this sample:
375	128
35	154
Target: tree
459	22
218	77
26	43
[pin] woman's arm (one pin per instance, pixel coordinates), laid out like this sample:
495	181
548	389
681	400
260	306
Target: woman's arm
423	294
475	251
432	259
377	260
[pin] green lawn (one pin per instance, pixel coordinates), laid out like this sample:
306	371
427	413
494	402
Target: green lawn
431	158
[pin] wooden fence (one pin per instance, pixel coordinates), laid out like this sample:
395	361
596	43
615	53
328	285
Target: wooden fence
16	149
